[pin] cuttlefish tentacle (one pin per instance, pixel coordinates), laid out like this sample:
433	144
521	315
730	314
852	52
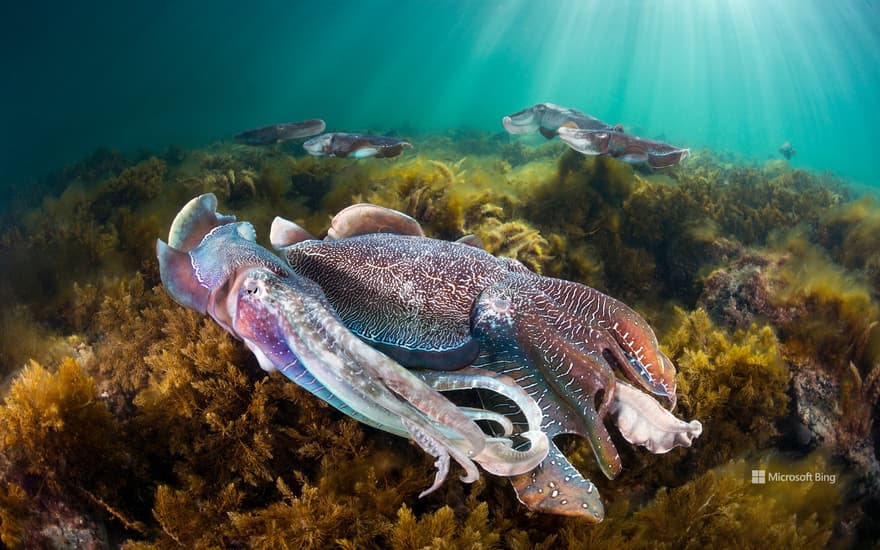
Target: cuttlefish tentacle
642	421
499	457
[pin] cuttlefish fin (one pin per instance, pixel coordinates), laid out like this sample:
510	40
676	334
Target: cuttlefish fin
556	487
285	233
364	218
664	160
634	155
643	421
472	240
195	220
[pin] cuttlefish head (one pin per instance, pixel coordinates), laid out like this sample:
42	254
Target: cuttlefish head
645	365
207	257
587	142
527	121
320	145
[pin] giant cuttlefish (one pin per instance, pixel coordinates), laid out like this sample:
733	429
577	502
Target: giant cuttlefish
433	304
340	144
278	133
590	136
625	147
212	264
547	118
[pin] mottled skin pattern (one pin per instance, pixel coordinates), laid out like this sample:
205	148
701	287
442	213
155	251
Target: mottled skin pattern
545	348
436	304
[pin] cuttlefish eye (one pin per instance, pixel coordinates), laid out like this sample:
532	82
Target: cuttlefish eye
254	288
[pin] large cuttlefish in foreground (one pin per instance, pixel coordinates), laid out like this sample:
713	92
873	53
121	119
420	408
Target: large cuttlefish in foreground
548	350
213	265
433	304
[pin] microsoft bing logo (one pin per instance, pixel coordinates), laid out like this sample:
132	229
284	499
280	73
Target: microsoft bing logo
759	477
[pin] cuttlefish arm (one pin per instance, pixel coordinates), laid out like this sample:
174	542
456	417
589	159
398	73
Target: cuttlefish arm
285	320
642	421
619	332
556	486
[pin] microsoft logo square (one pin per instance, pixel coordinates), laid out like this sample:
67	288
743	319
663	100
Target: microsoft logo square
759	477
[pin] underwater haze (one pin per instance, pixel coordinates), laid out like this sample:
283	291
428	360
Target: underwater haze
735	75
681	320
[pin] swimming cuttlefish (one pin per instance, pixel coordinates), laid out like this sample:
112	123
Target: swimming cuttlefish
344	145
278	133
787	150
590	136
547	118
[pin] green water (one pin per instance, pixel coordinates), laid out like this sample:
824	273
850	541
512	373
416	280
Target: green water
734	75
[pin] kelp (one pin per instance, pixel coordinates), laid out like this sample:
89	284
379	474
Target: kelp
712	510
824	311
735	384
62	454
851	234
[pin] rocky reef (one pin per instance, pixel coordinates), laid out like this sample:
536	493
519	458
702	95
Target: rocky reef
127	420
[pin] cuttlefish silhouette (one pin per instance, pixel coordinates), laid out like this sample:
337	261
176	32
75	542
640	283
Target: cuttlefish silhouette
787	150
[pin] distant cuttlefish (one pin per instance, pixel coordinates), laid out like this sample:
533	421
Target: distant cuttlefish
358	146
625	147
547	118
787	150
590	136
277	133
